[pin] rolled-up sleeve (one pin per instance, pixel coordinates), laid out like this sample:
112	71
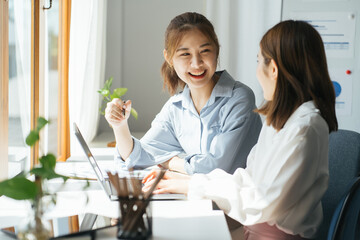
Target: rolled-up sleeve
158	145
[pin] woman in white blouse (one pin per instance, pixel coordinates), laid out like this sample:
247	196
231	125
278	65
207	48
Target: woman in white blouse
278	195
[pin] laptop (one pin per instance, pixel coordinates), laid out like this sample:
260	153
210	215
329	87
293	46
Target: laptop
104	180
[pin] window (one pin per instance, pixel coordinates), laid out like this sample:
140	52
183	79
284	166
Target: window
33	53
4	83
19	84
51	84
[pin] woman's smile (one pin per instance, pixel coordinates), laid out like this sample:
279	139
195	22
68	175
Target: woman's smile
198	75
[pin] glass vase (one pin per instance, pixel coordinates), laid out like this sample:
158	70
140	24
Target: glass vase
35	227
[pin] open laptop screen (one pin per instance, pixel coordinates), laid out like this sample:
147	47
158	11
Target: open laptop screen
106	184
91	159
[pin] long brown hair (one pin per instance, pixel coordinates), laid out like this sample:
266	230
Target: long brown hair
177	28
298	51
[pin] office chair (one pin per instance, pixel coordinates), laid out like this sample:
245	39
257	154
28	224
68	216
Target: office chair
345	221
344	166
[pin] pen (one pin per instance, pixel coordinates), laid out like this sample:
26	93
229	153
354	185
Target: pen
123	108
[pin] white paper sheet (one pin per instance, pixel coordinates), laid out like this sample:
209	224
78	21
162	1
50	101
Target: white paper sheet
337	30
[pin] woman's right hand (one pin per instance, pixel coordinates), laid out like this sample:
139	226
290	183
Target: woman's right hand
117	112
172	182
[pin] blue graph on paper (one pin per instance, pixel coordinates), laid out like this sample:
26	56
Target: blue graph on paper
337	88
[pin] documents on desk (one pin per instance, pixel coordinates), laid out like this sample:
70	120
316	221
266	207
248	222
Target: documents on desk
84	169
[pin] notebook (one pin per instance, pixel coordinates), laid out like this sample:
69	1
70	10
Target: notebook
104	180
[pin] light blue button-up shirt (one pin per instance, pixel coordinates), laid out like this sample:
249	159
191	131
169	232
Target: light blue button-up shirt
221	136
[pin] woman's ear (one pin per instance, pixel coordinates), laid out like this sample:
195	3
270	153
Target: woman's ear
274	71
167	57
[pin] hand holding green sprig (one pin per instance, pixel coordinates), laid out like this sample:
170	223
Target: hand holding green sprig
107	96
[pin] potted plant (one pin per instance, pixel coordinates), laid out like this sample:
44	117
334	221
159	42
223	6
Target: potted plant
21	187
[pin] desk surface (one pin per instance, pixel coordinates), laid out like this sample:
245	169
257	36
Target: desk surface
171	219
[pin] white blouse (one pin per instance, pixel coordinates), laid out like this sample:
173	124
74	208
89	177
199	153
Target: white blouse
284	181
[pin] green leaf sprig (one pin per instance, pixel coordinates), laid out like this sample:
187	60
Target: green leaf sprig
107	96
20	187
34	135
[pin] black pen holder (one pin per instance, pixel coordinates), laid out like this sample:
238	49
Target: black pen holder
135	221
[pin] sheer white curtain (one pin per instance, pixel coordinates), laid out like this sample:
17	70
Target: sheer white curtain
240	25
86	66
22	25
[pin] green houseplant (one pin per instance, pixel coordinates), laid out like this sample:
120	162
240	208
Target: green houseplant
21	187
107	96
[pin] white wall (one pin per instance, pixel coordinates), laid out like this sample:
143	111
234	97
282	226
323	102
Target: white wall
135	42
135	39
240	24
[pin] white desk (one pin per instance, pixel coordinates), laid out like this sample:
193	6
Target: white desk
205	227
171	219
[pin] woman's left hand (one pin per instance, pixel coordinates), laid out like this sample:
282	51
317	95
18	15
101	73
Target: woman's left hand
172	182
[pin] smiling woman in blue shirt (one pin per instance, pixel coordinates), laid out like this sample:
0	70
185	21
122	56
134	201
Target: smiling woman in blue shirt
209	124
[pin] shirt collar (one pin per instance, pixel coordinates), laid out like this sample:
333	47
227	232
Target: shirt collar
303	110
223	88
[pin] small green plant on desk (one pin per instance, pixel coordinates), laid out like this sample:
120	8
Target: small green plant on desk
107	96
21	187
